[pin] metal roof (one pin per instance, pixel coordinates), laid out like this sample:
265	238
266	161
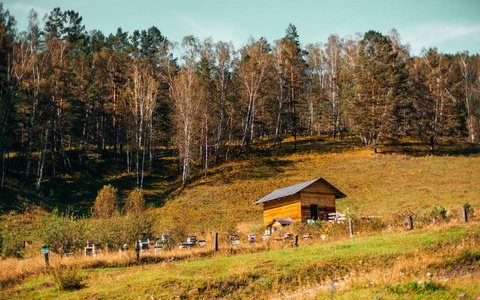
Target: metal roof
283	221
293	189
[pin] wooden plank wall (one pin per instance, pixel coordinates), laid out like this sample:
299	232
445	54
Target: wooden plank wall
283	208
318	194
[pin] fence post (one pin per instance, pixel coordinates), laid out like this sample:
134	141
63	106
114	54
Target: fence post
216	241
464	215
410	222
137	251
350	226
295	244
45	255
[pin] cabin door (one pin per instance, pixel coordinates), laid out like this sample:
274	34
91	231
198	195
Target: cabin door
314	211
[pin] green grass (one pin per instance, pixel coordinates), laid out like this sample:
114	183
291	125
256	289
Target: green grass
266	274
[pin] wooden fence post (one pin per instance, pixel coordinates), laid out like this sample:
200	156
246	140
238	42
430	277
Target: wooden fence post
410	222
464	215
295	244
216	241
45	255
137	251
350	226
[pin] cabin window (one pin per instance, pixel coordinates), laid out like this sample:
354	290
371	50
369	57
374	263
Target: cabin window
314	211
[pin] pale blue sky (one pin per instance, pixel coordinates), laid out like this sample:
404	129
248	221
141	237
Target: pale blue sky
450	25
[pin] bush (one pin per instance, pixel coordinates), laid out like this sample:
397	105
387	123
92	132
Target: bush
120	229
415	287
469	208
11	241
63	232
67	278
135	202
105	202
440	212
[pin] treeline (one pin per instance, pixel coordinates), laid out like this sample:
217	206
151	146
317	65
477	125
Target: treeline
69	97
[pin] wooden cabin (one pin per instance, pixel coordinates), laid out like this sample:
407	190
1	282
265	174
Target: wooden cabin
300	202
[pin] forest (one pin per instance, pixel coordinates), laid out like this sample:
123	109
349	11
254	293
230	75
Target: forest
71	97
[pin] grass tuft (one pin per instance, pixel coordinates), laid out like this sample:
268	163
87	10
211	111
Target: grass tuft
67	278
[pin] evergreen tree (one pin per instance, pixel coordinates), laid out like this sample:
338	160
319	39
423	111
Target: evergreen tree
380	83
296	75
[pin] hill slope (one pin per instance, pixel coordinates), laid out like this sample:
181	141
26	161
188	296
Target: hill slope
374	184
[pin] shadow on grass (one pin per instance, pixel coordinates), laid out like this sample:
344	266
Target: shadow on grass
419	148
76	192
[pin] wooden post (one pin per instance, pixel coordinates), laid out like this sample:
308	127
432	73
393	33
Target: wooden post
45	255
350	226
464	215
410	222
137	251
295	244
216	241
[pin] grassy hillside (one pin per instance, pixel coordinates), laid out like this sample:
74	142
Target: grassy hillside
401	177
438	262
379	184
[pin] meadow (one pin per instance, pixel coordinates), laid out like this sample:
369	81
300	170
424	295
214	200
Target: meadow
439	261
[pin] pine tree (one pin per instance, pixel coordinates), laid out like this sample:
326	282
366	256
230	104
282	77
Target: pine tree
296	75
380	82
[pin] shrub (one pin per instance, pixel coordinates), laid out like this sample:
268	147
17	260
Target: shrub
11	241
377	224
135	202
440	212
120	229
63	232
104	206
415	287
67	278
469	208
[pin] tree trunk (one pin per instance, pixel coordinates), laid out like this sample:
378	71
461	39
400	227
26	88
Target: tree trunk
247	125
220	122
432	144
42	160
30	137
206	139
293	110
278	129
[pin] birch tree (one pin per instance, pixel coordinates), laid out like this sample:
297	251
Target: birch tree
253	67
437	102
333	60
187	93
223	64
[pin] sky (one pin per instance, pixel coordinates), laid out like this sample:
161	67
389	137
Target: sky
450	25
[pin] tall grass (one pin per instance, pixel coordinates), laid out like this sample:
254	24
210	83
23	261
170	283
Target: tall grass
67	277
373	263
15	270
